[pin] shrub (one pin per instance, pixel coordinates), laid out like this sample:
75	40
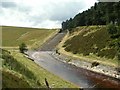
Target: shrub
111	28
23	48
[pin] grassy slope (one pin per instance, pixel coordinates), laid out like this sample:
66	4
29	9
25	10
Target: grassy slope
13	79
33	37
92	44
17	76
13	71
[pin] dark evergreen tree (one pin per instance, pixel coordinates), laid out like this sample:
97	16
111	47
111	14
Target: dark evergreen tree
23	47
101	13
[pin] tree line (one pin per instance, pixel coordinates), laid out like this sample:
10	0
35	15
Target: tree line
101	13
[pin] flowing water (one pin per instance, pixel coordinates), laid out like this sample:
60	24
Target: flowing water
79	76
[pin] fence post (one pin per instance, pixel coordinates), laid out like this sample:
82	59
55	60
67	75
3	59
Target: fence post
47	84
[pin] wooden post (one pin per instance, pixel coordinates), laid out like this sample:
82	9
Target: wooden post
46	82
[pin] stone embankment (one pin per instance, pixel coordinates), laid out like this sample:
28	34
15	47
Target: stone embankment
104	69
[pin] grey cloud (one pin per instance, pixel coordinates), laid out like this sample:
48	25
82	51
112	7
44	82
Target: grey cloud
58	12
5	4
9	4
24	9
65	11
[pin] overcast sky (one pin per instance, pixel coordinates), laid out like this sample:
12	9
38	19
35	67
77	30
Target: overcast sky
40	13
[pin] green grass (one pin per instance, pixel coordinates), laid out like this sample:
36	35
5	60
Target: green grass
92	41
16	71
19	71
33	37
13	79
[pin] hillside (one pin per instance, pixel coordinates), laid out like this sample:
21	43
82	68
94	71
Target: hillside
33	37
96	41
93	42
12	72
20	72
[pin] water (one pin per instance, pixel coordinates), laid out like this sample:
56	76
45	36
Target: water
79	76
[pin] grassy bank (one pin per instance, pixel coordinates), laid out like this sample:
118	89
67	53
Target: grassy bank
92	43
22	72
33	37
12	79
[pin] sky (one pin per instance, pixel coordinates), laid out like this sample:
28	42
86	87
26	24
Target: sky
40	13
